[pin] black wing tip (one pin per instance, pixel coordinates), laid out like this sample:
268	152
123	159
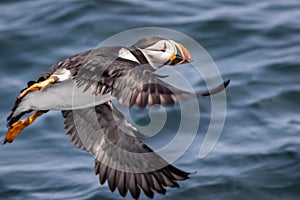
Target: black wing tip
168	101
175	175
226	83
215	90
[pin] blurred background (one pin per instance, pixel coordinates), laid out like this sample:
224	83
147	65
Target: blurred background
255	44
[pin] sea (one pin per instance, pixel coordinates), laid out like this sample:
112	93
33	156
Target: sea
255	44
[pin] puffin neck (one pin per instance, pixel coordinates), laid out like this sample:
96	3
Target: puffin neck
139	56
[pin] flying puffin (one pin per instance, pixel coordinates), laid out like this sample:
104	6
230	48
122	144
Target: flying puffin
126	74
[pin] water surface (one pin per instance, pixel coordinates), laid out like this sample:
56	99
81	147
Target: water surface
256	44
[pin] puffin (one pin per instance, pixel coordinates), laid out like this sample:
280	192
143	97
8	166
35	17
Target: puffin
84	87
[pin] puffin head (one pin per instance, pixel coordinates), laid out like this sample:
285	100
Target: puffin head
158	51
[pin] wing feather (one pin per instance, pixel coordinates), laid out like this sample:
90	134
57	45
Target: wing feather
112	166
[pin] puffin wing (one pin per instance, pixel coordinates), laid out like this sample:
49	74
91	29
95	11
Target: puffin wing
121	159
142	87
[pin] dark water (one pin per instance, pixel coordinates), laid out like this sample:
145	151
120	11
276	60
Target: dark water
255	44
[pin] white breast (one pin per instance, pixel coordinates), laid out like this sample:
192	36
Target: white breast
62	96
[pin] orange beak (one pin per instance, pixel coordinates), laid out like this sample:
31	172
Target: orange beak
181	56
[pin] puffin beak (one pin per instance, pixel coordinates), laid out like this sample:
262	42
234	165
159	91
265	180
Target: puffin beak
181	56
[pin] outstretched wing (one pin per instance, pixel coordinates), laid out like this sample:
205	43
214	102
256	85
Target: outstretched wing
122	159
142	87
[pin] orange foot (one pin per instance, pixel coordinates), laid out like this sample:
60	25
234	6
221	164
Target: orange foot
17	127
38	86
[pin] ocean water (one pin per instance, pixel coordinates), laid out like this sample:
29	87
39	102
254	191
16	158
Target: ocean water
256	44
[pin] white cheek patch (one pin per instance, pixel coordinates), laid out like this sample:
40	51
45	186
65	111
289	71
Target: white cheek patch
62	74
126	54
171	47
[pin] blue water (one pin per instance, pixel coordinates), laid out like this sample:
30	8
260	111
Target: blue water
255	44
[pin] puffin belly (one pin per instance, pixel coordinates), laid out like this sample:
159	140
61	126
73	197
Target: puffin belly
63	96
